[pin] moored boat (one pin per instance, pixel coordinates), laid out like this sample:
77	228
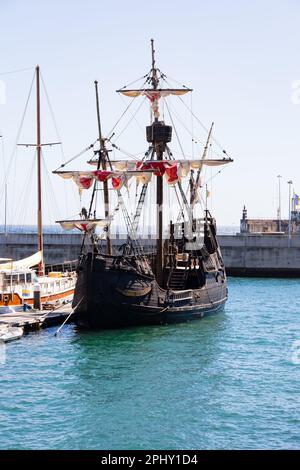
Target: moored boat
184	277
20	279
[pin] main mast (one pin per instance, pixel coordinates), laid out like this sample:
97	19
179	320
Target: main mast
159	181
39	177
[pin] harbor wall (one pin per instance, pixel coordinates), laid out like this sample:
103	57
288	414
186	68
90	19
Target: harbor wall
244	255
57	247
261	255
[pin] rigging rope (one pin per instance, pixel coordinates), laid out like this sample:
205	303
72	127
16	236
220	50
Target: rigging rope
20	127
202	125
52	115
124	112
133	117
16	71
21	211
175	131
77	155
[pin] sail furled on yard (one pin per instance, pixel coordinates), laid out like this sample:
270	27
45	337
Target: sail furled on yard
123	170
85	225
154	95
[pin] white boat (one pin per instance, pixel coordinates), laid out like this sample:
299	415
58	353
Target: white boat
10	333
18	279
18	282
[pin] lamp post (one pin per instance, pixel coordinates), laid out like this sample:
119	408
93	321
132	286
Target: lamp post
290	182
279	202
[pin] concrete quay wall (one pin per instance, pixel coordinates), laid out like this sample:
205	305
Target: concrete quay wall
57	247
261	255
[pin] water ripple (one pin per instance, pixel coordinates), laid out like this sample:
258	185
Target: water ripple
226	381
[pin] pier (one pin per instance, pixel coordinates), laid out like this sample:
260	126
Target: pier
13	325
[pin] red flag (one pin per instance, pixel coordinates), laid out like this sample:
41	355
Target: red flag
85	182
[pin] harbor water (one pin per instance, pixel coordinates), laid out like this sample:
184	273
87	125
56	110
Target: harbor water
229	381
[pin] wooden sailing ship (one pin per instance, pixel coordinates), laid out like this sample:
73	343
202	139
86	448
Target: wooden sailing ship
184	277
20	279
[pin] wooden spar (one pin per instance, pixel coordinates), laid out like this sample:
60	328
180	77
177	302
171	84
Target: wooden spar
103	161
39	177
207	142
194	185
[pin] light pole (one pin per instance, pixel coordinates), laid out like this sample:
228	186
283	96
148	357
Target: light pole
290	182
279	202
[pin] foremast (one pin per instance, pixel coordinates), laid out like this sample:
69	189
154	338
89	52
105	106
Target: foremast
102	161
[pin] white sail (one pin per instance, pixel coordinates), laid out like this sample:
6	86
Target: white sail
25	263
85	225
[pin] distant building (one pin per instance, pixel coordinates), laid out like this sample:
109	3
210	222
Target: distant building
268	226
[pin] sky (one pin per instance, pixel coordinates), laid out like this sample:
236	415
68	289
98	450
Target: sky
240	57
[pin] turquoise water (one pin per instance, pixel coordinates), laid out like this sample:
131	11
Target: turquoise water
228	381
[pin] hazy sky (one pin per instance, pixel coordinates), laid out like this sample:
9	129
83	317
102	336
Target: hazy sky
241	58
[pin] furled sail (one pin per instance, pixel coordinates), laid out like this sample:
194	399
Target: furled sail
188	164
25	263
85	225
172	170
154	95
85	179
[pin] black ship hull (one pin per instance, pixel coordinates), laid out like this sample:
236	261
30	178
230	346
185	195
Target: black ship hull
112	294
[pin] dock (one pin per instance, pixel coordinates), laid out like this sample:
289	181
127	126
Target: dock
31	321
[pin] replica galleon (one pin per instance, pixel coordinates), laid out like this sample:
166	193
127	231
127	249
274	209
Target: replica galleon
182	277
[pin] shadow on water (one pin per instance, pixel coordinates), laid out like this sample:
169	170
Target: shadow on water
143	335
109	354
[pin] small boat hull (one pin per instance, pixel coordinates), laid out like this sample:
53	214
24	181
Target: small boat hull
10	333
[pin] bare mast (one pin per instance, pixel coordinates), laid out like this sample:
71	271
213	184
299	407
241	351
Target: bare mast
38	145
39	177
